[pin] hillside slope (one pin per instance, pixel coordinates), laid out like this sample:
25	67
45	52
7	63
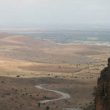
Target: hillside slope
103	89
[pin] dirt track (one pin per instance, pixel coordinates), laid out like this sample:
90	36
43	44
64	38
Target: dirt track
63	96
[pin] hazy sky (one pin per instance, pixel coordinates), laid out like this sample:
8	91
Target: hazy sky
54	12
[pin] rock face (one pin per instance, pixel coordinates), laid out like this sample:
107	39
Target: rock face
103	89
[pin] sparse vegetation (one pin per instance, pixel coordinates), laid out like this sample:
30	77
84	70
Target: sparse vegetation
89	107
58	65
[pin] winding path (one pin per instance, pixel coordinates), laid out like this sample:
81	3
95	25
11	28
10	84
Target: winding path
63	96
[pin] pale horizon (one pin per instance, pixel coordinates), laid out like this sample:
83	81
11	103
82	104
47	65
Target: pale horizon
54	14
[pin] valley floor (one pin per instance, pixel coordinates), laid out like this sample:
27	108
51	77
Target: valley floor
21	93
71	69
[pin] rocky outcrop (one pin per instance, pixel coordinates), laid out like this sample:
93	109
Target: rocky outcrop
103	89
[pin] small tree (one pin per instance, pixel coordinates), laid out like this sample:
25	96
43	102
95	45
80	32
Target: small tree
39	104
47	108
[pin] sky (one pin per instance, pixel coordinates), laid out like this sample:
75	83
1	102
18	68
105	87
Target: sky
54	13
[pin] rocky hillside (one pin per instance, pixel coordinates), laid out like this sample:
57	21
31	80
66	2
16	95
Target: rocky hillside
103	89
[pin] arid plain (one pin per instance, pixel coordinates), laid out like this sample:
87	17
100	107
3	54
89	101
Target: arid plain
26	62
